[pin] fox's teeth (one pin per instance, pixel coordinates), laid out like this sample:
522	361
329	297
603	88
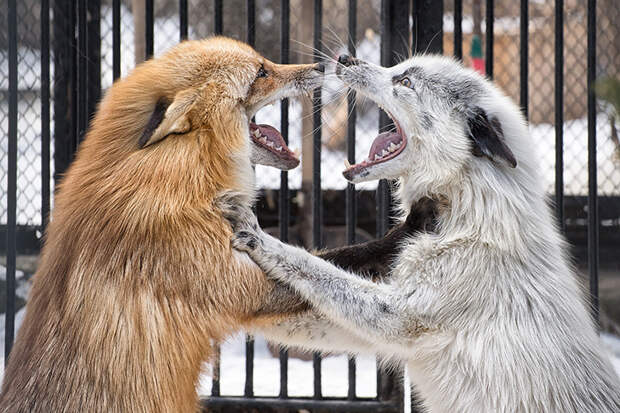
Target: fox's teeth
270	144
347	164
392	147
263	140
377	157
384	153
256	133
278	148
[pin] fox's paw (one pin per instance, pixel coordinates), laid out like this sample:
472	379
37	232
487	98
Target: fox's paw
246	241
423	215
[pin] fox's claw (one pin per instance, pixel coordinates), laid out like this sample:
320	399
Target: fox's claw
246	241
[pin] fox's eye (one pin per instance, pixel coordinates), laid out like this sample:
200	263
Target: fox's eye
406	82
261	72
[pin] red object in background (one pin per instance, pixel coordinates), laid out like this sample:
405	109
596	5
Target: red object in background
478	65
477	59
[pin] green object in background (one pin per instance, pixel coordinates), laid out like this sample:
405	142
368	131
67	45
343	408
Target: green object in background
608	88
476	47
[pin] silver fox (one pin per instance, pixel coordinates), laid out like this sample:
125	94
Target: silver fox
486	311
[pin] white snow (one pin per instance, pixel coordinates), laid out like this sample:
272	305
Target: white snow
300	382
267	368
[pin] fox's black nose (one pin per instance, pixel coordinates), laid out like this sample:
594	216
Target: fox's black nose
320	67
346	60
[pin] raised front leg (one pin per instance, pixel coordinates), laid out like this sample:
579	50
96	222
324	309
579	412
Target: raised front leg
371	259
378	311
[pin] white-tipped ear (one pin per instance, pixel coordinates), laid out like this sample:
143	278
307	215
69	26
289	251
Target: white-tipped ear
168	118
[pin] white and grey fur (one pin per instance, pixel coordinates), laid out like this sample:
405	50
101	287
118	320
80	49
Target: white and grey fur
486	312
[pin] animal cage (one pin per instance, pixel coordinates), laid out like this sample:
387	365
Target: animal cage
58	56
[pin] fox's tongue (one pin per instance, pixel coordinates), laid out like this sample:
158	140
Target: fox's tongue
385	144
268	137
385	147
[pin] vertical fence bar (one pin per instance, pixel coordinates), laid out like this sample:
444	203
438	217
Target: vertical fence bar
523	61
489	38
215	379
382	195
116	39
45	112
248	390
219	21
183	19
11	250
559	112
316	171
251	26
93	57
82	70
285	32
149	26
593	222
458	29
249	340
351	205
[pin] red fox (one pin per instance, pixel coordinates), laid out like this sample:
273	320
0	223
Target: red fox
137	277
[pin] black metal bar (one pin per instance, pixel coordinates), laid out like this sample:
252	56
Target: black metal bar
330	405
215	379
284	218
593	221
183	19
251	11
64	52
116	39
458	29
249	342
317	232
93	58
427	27
249	367
559	112
11	252
523	61
351	205
219	23
149	27
489	38
82	70
45	112
395	16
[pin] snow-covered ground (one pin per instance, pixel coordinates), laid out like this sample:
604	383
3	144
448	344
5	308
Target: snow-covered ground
300	382
267	368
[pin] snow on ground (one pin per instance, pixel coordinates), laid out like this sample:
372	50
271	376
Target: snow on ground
300	382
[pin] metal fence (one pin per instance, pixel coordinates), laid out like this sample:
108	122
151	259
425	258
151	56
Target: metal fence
57	56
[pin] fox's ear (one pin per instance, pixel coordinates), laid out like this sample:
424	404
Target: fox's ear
487	137
168	118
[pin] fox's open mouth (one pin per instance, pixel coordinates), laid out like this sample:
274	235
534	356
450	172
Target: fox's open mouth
269	139
386	146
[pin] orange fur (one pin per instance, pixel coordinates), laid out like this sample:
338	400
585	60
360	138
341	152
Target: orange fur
137	278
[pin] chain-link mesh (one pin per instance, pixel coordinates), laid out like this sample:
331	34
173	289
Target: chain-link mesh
28	114
541	67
